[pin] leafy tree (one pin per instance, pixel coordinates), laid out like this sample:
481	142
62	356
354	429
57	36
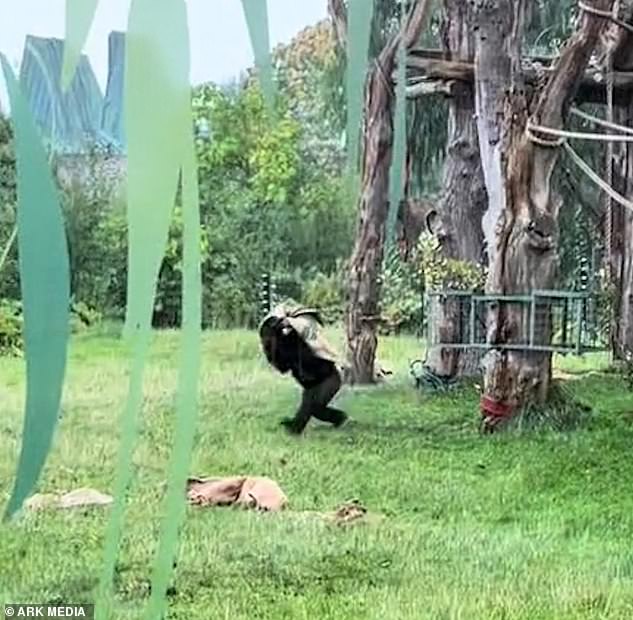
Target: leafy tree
9	277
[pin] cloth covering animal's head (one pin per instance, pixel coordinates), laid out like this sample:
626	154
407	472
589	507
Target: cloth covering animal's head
306	322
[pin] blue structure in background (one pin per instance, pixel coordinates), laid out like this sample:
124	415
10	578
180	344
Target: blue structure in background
112	110
82	118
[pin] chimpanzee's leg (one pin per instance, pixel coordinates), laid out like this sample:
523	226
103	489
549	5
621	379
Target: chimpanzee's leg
314	403
326	392
297	424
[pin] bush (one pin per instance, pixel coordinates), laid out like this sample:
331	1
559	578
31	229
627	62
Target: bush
96	233
326	294
11	341
83	317
438	272
401	300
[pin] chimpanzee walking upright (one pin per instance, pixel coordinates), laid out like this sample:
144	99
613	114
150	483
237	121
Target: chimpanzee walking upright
292	342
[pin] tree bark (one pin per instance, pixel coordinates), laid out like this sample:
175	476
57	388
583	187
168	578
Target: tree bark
363	285
430	74
622	241
463	200
521	224
415	217
363	288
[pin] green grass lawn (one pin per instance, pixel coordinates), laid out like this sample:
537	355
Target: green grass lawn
523	525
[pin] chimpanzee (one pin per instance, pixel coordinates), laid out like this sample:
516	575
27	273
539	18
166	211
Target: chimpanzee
283	336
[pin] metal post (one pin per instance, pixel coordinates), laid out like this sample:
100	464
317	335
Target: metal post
472	320
579	313
532	320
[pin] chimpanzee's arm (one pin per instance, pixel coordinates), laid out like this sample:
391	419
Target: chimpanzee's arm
271	341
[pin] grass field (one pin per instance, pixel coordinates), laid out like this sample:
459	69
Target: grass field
531	525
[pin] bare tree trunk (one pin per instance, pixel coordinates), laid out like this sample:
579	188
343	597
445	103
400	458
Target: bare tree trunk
521	225
463	200
622	242
622	219
625	329
367	256
363	285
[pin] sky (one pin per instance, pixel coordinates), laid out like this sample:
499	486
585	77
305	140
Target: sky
220	47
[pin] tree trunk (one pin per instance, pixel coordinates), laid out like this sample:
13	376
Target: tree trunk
463	200
363	282
622	241
415	217
521	224
622	219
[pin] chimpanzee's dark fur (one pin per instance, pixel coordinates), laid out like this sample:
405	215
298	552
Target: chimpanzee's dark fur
320	379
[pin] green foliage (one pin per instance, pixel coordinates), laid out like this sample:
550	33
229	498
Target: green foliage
310	72
550	24
438	272
168	301
11	342
400	300
604	304
275	163
9	277
83	317
265	206
326	293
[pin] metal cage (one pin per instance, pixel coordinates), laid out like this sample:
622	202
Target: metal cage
550	321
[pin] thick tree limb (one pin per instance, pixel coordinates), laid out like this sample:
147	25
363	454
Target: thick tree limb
428	66
569	68
415	22
412	28
410	33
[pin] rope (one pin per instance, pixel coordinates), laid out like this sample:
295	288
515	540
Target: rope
494	408
560	141
563	133
610	15
599	121
579	161
529	130
425	377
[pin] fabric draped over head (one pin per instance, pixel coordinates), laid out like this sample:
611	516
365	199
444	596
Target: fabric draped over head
307	323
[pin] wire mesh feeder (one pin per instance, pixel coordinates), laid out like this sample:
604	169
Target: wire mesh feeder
560	322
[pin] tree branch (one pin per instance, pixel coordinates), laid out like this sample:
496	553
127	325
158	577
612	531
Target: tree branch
623	53
411	31
428	67
415	22
338	15
569	69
